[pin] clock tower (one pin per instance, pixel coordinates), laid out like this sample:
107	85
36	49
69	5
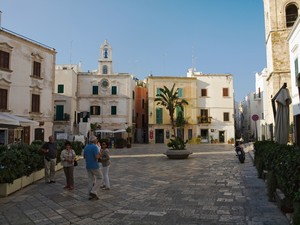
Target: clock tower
105	60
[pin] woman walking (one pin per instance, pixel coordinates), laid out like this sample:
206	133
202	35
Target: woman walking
67	157
105	160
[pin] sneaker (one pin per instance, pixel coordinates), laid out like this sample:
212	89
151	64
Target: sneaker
70	188
66	187
105	188
48	182
52	181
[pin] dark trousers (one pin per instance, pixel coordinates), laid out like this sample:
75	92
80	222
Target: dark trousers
69	172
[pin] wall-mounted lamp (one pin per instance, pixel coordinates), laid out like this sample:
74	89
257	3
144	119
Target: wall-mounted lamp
150	113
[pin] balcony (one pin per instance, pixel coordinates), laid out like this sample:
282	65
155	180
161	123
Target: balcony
204	119
64	117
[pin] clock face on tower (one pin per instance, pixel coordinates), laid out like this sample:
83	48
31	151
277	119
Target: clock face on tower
104	83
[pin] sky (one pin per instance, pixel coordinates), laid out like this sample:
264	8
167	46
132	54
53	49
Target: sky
158	37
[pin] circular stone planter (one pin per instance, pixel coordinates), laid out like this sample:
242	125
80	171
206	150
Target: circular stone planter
178	154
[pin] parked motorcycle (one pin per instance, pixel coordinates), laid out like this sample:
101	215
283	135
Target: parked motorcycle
240	153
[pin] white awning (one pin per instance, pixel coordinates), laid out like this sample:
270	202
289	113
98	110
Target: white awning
110	131
10	119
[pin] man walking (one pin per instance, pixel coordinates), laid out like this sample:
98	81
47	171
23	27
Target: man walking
50	151
91	155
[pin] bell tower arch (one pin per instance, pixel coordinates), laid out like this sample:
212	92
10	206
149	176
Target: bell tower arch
105	60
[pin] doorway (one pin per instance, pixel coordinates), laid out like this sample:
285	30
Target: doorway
159	135
222	136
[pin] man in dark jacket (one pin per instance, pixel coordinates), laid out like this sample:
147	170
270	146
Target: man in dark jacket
50	151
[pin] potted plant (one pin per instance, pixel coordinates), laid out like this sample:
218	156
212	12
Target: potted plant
169	99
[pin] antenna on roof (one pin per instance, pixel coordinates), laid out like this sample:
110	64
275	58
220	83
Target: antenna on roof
0	19
71	52
193	58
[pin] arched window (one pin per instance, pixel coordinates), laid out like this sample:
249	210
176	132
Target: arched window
104	69
105	53
291	14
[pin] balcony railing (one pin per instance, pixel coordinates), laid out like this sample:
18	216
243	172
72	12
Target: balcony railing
64	117
204	119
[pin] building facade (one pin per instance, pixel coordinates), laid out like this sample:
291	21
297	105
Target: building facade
215	106
99	102
280	16
27	71
65	101
141	112
294	50
160	128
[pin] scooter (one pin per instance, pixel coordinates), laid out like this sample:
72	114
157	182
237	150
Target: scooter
240	153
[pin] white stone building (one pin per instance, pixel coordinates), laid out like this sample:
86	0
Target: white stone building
294	51
215	107
280	16
101	99
65	101
26	87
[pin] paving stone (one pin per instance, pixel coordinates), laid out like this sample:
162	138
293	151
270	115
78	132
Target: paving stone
211	187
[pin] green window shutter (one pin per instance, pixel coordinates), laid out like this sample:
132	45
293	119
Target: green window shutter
159	115
95	90
60	88
59	112
114	90
113	110
296	72
180	92
158	91
178	109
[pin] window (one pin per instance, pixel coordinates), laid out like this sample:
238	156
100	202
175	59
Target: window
291	14
143	103
204	116
105	53
95	90
35	107
158	91
105	69
113	110
4	60
225	116
114	90
95	110
225	92
296	72
203	92
3	99
180	92
178	110
36	69
59	112
60	88
159	115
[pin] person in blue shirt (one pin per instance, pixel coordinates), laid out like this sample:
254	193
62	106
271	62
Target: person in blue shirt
91	155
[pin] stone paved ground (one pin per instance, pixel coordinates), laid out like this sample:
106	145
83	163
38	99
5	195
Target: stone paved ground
209	188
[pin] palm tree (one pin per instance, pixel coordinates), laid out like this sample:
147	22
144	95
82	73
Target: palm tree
170	100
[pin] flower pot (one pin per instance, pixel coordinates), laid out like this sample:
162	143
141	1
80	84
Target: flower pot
178	154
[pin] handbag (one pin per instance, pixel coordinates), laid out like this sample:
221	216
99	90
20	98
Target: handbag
75	163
